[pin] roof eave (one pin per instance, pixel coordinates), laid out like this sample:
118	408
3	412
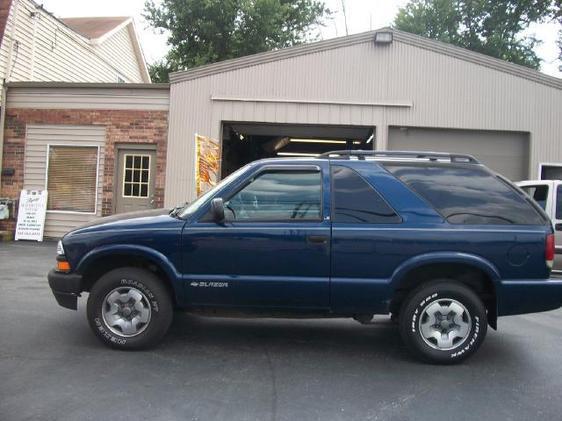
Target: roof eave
109	34
399	36
93	85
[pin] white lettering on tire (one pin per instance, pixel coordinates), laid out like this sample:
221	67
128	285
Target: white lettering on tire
472	340
101	328
143	288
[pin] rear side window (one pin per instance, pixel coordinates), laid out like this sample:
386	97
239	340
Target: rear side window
468	195
355	201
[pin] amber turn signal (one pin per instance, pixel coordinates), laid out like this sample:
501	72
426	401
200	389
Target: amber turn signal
63	266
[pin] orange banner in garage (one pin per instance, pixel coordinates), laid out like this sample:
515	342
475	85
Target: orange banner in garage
207	160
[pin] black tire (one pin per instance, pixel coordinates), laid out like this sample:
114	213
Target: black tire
413	315
155	298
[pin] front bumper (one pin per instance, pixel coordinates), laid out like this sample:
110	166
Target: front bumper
520	296
66	288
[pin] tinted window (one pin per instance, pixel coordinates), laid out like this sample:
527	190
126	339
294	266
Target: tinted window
355	201
278	196
559	202
466	195
538	193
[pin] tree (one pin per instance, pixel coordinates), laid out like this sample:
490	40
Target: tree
492	27
207	31
557	13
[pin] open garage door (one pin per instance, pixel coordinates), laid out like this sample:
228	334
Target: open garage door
246	142
504	152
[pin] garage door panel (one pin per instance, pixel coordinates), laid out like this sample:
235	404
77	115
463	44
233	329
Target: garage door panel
504	152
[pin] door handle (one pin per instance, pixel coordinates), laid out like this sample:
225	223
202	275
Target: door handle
317	239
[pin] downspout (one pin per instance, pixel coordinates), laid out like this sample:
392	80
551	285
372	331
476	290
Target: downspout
6	77
2	120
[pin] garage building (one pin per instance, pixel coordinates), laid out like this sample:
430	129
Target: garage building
385	90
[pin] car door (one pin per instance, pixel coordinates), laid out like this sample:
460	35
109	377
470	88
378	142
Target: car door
274	248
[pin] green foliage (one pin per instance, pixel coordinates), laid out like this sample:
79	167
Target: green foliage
557	13
159	71
207	31
492	27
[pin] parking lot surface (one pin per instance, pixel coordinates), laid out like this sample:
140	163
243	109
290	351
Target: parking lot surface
53	368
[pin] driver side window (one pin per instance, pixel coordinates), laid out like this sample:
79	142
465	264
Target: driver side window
278	196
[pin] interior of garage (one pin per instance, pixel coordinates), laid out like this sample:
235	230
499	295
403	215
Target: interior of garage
246	142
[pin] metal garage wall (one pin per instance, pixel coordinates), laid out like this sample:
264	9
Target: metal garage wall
353	81
504	152
38	137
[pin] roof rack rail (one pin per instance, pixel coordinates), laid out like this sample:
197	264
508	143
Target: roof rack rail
431	156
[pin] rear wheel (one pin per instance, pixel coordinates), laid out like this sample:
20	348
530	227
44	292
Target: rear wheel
129	308
443	322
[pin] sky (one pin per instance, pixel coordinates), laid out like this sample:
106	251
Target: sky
362	15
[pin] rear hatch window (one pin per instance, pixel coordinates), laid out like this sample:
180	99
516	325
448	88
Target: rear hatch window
468	195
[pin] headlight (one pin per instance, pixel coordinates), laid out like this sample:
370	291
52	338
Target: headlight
60	249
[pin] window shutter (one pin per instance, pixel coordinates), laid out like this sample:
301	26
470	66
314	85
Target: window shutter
72	178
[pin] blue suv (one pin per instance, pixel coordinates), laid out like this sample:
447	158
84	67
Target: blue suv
438	241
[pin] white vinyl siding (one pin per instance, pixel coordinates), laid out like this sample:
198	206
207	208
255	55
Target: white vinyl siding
120	45
38	139
47	50
107	98
5	45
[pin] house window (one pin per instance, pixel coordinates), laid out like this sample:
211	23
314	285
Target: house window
72	178
137	175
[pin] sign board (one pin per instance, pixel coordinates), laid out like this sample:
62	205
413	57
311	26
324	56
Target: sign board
207	159
31	215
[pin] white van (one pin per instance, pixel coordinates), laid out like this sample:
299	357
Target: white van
548	194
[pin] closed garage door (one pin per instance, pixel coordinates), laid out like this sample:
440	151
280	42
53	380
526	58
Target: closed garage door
504	152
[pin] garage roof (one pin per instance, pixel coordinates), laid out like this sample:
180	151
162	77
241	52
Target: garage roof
398	36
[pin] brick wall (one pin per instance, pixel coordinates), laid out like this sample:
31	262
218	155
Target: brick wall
122	127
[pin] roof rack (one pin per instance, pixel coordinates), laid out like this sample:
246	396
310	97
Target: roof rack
431	156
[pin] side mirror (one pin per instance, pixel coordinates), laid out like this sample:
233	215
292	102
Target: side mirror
217	210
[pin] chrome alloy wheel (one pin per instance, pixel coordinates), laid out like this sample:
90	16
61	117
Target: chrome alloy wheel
444	324
126	311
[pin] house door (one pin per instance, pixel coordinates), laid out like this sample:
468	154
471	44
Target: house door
135	180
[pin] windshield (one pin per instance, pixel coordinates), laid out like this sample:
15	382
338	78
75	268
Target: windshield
194	206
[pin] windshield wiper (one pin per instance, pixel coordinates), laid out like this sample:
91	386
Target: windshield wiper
176	210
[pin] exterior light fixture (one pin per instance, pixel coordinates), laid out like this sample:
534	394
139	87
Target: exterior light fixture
384	37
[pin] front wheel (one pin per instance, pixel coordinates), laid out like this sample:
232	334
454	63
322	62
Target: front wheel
129	308
443	322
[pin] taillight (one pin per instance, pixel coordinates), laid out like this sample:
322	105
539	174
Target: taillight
549	250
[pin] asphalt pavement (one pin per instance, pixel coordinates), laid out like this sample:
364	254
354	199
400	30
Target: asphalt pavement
53	368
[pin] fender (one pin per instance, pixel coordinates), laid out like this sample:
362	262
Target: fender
444	257
148	253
